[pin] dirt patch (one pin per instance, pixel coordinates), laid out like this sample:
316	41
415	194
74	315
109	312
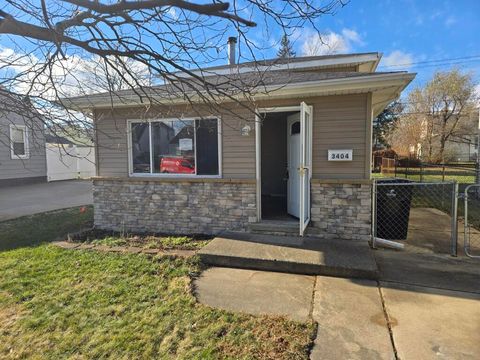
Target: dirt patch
9	314
156	241
379	319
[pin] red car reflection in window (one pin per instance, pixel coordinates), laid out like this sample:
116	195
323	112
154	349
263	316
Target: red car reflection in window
176	165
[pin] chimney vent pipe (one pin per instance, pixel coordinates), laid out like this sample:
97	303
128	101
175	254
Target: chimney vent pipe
232	42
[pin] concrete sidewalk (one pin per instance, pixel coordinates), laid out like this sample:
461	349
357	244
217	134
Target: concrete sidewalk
357	319
17	201
431	323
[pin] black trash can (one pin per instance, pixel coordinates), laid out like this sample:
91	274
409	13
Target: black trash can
393	208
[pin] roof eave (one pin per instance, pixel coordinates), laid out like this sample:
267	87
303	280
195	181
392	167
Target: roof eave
358	84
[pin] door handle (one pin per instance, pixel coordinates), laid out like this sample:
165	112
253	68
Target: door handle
301	170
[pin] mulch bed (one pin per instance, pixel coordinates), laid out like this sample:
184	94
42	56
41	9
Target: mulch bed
69	245
91	239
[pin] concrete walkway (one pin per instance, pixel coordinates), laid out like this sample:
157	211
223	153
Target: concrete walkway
357	319
16	201
310	256
257	292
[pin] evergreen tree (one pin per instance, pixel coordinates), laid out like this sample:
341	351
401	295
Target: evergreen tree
286	49
385	122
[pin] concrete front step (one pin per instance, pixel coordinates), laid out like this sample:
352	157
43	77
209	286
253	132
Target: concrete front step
275	227
295	255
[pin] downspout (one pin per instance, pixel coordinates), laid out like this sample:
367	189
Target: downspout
97	162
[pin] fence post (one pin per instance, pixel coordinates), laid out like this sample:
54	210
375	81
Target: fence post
421	172
465	223
454	218
477	163
374	214
443	172
477	166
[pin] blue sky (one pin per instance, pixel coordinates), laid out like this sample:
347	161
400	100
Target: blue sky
406	31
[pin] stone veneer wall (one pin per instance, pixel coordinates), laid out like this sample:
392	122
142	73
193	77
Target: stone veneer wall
177	207
341	210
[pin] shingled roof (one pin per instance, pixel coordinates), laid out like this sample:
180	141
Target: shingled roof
261	78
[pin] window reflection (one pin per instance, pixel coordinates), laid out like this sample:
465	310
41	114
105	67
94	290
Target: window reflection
173	147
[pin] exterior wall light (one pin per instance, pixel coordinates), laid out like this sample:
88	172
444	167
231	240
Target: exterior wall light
246	130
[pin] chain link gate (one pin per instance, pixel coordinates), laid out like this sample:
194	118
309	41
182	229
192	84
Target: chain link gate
472	221
423	216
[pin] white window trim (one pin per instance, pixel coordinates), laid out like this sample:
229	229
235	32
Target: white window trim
27	148
162	175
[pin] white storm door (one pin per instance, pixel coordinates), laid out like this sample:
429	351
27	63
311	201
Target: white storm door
293	163
305	168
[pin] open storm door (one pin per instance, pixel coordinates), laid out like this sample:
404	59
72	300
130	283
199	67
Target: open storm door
305	169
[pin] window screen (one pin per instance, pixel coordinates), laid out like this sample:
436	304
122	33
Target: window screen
207	147
141	148
17	137
295	128
173	147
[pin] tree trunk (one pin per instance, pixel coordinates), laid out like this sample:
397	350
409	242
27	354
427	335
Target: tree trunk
443	140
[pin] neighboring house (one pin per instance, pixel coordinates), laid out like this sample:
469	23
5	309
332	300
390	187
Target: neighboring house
67	159
463	145
22	143
462	148
304	159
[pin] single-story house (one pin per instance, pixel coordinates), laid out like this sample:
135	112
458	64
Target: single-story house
22	142
298	153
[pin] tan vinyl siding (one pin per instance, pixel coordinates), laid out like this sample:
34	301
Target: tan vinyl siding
111	140
339	122
238	151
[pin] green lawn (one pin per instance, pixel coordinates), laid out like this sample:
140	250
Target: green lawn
57	304
49	226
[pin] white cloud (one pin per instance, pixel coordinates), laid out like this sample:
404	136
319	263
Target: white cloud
330	42
172	13
353	37
397	60
451	20
74	75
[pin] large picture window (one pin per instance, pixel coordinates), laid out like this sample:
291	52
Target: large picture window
186	147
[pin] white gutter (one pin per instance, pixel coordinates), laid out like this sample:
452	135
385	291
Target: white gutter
346	85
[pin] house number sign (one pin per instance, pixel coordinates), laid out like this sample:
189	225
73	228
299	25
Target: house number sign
340	155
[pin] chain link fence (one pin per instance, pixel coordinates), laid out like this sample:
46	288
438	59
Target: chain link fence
421	215
472	221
